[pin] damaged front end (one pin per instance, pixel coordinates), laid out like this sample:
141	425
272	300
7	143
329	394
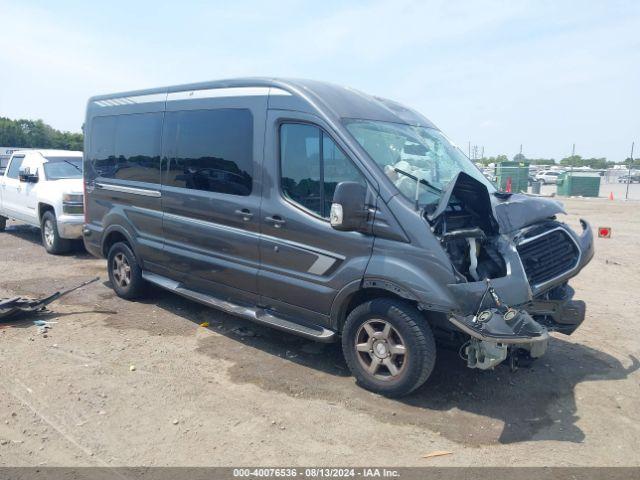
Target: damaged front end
511	259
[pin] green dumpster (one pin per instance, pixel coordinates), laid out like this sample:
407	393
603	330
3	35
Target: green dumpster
579	184
515	173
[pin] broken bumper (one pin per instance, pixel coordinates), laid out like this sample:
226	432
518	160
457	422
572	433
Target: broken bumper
495	333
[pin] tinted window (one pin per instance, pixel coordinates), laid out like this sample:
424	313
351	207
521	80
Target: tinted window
127	147
210	150
312	165
14	167
300	165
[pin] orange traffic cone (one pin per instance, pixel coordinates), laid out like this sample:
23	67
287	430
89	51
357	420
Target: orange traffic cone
610	195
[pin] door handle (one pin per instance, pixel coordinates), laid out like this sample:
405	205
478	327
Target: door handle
245	213
277	221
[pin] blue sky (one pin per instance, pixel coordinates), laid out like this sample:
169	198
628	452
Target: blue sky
544	74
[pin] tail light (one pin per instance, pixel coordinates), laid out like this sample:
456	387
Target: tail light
84	199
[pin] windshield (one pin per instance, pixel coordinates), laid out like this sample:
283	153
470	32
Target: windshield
56	168
420	161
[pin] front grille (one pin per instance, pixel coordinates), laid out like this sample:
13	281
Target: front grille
548	255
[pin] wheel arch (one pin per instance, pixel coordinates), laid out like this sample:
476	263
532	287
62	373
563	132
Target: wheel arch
44	207
114	234
360	291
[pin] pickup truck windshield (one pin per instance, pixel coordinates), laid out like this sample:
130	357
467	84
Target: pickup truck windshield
56	168
420	161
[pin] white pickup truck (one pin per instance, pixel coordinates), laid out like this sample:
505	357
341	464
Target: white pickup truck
44	188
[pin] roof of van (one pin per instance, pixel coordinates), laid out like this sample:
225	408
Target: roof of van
326	98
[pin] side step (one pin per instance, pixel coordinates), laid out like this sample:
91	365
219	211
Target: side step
258	315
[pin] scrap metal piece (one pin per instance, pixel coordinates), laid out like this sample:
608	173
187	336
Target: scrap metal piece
11	308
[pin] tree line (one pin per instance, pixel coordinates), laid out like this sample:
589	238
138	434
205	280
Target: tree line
570	161
24	133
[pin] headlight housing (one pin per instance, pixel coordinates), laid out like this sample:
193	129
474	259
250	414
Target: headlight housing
72	203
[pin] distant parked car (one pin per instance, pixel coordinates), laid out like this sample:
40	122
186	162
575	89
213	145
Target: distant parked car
629	179
548	177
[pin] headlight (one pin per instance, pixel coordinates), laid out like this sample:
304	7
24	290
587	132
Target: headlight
72	203
72	198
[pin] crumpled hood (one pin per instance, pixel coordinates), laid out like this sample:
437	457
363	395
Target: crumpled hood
520	210
510	211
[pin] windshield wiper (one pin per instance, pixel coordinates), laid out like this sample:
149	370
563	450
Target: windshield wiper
418	182
421	180
73	165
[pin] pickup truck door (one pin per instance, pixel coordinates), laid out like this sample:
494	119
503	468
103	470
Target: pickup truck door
11	188
27	205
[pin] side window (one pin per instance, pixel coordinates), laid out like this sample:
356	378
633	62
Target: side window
300	165
210	150
127	147
311	166
14	167
102	158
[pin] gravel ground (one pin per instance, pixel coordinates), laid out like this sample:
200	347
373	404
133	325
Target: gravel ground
141	383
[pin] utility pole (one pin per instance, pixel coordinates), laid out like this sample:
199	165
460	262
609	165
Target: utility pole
629	177
469	149
573	154
482	156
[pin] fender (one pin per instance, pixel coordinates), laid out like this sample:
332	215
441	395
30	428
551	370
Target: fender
341	301
420	277
120	229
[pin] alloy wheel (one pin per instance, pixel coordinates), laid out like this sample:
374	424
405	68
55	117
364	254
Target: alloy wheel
49	234
121	270
381	349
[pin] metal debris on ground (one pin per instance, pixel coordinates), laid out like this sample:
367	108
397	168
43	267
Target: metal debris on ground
15	307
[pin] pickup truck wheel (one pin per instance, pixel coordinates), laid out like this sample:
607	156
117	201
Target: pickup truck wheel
124	272
51	239
3	223
389	347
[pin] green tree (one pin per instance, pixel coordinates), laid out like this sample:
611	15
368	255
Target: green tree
37	134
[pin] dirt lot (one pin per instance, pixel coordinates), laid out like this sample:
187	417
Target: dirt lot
123	383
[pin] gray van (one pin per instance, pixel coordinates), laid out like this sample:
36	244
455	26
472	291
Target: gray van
328	213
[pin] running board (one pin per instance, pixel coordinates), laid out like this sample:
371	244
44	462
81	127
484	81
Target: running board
258	315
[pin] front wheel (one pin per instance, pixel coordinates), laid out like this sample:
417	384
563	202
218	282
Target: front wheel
388	346
51	239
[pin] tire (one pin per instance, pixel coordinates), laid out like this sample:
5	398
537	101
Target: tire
51	239
404	326
125	274
3	223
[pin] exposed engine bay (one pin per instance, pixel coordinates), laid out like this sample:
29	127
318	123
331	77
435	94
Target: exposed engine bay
482	237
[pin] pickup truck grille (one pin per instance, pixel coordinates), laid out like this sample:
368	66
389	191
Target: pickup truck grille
548	255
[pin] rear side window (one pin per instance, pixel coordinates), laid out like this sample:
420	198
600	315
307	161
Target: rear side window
14	167
127	147
311	167
210	150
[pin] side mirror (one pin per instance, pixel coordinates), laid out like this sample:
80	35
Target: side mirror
348	211
26	176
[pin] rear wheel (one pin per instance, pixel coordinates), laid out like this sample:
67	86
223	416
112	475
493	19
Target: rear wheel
388	346
51	239
124	272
